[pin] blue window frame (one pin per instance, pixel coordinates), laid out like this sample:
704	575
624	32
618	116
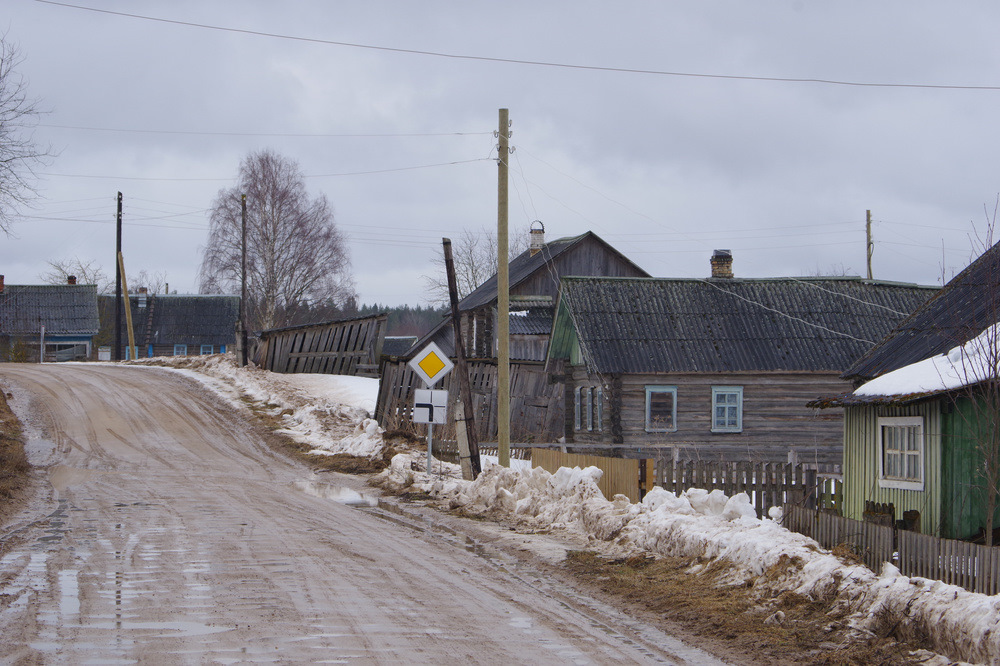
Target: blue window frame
180	350
207	349
727	409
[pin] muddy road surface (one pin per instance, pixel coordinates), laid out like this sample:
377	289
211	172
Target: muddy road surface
167	531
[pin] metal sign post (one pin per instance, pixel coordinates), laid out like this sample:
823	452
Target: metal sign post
429	406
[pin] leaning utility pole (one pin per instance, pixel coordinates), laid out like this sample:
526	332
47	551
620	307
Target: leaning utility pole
503	301
465	422
870	244
118	284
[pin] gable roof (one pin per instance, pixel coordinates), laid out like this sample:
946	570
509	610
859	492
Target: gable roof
522	268
63	309
659	325
957	313
524	265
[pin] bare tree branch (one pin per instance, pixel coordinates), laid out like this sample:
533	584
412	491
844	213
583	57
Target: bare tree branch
475	257
296	255
19	155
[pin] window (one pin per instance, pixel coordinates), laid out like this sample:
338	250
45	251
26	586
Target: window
901	452
661	408
727	409
588	408
180	350
207	349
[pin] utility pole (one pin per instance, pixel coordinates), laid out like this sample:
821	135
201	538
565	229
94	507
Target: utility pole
503	293
118	284
870	246
465	422
243	286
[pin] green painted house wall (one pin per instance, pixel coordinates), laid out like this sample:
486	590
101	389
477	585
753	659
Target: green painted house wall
861	464
952	504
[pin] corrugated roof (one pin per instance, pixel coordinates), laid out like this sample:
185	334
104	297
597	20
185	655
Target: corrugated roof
961	310
536	321
191	319
63	309
731	325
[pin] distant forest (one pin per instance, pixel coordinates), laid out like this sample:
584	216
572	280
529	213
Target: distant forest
407	320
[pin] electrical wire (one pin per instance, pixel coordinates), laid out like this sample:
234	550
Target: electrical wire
535	63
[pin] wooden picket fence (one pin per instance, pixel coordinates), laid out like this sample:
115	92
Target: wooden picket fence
767	484
971	566
342	347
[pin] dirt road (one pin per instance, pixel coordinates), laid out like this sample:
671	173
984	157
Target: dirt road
172	534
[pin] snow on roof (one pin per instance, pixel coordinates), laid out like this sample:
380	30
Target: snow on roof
965	365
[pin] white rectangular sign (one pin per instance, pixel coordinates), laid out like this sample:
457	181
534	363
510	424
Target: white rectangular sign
430	406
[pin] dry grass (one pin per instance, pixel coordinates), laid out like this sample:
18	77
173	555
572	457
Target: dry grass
741	617
14	466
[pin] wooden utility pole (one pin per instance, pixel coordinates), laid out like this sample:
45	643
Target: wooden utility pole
133	352
870	245
503	300
118	284
243	285
465	421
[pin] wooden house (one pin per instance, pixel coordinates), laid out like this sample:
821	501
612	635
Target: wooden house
63	318
716	368
534	285
916	431
175	324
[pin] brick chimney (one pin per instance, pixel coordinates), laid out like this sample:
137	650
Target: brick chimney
71	280
1	284
537	237
722	264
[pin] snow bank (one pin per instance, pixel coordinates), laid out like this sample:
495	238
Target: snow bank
331	413
709	526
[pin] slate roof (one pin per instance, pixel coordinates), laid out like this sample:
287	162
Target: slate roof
186	319
657	325
63	309
536	321
960	311
396	345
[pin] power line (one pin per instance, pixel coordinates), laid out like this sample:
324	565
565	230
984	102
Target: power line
260	134
536	63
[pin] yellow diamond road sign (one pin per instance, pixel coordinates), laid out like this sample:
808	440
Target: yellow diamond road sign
431	364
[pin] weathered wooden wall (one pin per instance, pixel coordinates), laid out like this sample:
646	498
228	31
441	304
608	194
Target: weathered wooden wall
345	347
621	476
536	406
775	416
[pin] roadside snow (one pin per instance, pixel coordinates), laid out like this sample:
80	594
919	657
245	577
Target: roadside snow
334	416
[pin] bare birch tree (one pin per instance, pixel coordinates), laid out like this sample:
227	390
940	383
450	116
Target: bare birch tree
475	257
19	154
296	255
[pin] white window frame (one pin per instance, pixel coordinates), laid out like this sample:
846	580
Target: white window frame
650	391
577	408
183	349
599	399
590	408
901	483
728	390
210	348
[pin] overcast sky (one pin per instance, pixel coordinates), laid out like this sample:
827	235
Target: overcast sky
390	109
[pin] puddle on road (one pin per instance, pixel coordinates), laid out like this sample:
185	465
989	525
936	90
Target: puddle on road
338	494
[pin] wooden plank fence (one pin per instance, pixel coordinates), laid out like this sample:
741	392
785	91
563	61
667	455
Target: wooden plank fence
536	406
971	566
342	347
767	484
621	476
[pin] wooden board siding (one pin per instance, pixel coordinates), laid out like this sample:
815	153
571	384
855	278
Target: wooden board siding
620	476
536	405
589	257
861	464
963	504
348	347
774	411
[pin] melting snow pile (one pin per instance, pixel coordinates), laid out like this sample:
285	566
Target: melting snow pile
710	526
332	413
